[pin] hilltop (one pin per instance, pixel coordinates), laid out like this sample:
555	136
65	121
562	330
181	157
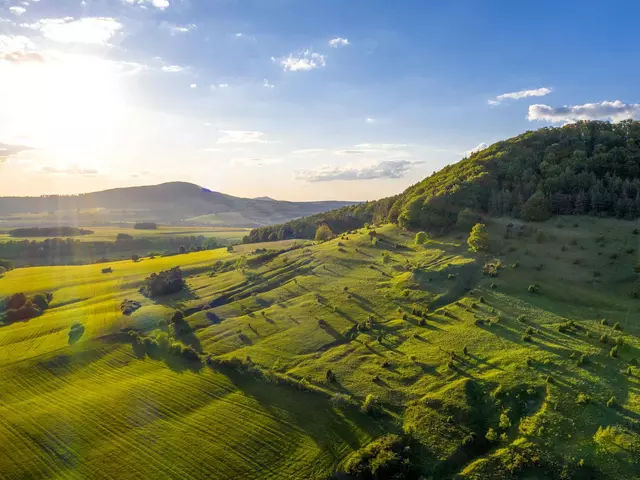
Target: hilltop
175	202
582	168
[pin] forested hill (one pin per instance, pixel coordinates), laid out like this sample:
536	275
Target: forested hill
582	168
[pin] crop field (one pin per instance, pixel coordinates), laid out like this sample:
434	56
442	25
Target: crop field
109	233
496	365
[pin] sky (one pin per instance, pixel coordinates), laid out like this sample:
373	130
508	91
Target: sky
294	99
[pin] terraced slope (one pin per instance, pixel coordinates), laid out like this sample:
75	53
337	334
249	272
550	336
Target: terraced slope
451	355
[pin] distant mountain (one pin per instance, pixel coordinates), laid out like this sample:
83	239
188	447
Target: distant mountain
175	202
585	168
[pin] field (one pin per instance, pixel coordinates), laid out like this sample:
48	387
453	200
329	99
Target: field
450	354
109	233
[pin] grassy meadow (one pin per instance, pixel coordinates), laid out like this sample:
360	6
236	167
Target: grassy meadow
453	345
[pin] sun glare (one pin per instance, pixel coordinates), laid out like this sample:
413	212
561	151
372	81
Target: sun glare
69	105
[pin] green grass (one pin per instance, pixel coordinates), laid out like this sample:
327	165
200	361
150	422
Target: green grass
97	408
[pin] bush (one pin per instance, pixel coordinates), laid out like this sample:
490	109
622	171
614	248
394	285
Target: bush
331	377
613	353
583	399
491	435
617	326
522	318
127	307
604	338
604	322
479	238
25	312
421	238
2	271
386	457
42	301
323	233
612	403
165	283
371	406
178	316
107	270
7	265
535	288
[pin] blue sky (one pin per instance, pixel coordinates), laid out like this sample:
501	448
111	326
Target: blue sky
294	99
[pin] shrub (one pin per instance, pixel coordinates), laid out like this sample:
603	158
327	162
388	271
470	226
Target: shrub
371	406
2	271
612	403
178	316
386	457
340	400
42	300
127	307
613	353
491	435
505	421
583	399
482	300
135	258
107	270
604	338
535	288
478	238
331	377
522	318
25	312
323	233
421	238
617	326
604	322
527	338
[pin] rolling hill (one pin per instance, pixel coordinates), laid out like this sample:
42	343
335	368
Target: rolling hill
461	352
583	168
176	203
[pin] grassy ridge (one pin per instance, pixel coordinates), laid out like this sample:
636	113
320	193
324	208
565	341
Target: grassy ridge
387	321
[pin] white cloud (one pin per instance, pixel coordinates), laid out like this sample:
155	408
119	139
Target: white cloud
159	4
370	120
173	69
255	162
18	49
223	85
7	151
382	169
182	28
382	146
614	111
17	10
303	61
70	170
266	84
193	86
339	42
308	151
538	92
94	30
241	136
476	149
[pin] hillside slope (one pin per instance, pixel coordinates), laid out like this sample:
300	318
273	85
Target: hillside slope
583	168
482	375
175	202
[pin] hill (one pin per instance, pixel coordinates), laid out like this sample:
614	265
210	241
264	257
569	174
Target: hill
305	360
583	168
175	202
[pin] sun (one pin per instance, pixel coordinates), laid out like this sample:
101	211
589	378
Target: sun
70	105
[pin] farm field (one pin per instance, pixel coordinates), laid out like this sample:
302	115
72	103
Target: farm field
109	233
447	354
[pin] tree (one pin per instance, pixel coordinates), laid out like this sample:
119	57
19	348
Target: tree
536	209
478	238
467	219
182	249
323	233
2	271
421	238
135	258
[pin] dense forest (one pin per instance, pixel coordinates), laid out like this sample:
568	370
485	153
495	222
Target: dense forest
585	168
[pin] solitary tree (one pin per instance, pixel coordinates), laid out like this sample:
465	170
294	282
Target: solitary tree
182	249
323	233
479	238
